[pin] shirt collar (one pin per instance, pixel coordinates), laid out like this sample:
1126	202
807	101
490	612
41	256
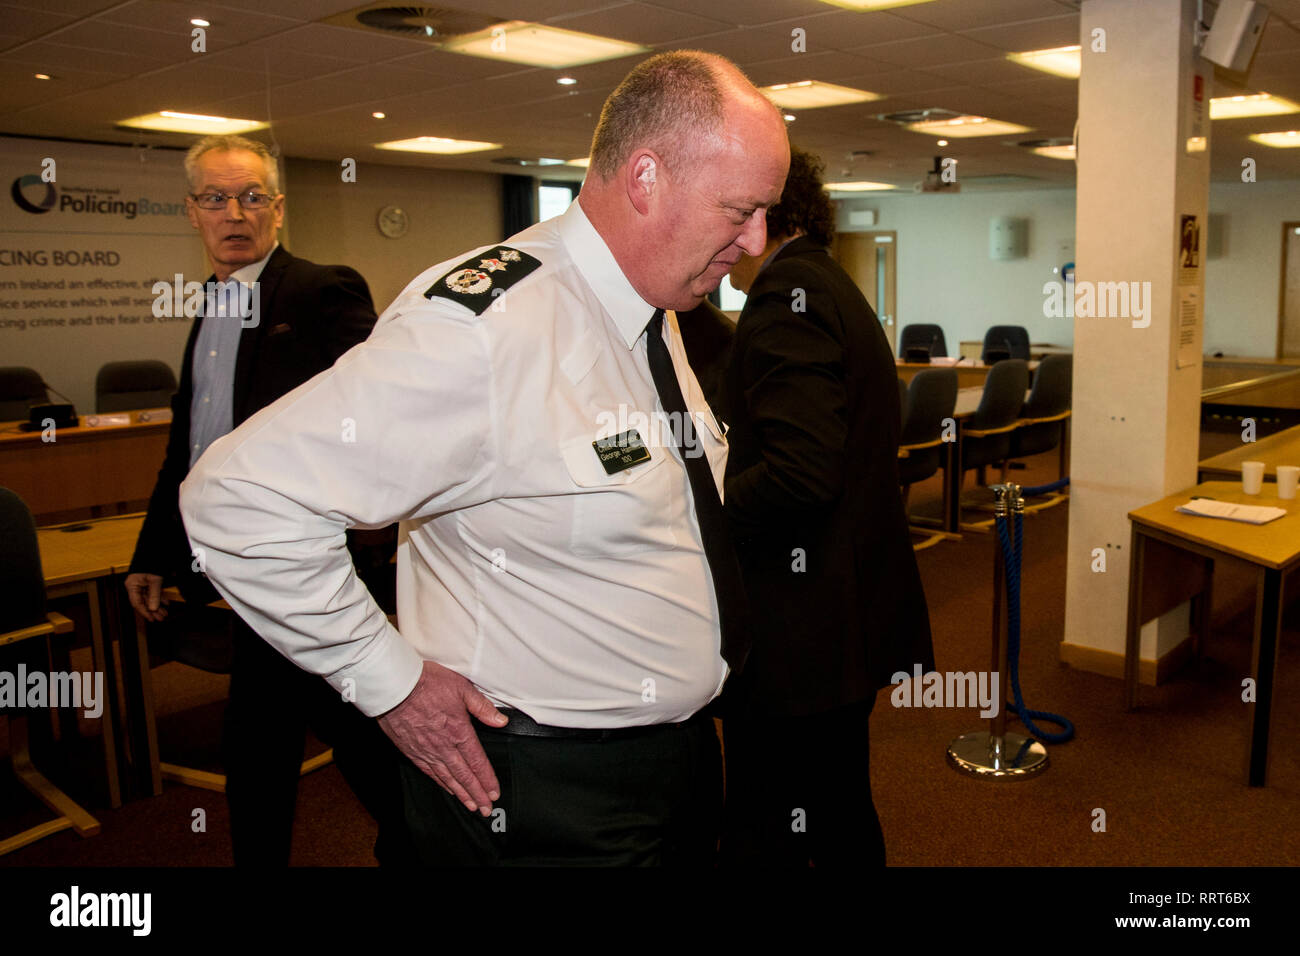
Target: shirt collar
248	274
598	266
775	252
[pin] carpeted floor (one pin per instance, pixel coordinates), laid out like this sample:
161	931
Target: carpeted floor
1168	777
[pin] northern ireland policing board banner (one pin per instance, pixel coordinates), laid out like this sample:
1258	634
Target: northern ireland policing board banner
86	232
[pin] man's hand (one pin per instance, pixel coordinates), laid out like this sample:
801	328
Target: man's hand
145	594
432	727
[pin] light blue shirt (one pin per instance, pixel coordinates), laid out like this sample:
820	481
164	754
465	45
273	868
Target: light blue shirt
212	407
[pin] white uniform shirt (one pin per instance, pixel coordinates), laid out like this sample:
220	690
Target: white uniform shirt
582	598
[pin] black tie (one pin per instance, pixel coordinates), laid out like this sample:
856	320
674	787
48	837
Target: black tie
718	546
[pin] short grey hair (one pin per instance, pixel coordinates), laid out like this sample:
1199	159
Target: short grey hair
225	143
672	103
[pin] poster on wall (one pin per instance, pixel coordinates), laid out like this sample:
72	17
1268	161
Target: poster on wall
86	232
1189	251
1189	327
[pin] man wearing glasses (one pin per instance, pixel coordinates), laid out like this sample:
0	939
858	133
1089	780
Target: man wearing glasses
243	354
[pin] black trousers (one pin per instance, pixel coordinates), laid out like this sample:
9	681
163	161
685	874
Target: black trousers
649	799
799	791
272	703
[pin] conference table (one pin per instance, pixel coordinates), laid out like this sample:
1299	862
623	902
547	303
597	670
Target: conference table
89	558
1173	557
1280	449
100	464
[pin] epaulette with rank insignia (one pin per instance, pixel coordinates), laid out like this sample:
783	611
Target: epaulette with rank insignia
476	282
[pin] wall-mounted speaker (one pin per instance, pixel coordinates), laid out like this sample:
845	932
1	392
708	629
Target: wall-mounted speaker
1233	39
1008	238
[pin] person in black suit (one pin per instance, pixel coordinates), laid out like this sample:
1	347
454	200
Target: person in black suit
303	317
812	495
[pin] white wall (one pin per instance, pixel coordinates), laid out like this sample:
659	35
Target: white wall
945	274
1241	288
330	221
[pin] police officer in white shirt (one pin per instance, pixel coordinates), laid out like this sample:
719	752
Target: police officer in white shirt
562	599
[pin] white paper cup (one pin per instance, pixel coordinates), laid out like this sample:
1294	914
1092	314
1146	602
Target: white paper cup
1287	478
1252	476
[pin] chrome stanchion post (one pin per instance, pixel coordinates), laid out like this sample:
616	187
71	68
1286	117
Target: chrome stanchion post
995	754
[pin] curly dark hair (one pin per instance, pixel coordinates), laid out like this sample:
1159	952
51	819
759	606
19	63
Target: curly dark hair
804	204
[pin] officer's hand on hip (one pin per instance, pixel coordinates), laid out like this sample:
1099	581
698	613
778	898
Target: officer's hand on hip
432	727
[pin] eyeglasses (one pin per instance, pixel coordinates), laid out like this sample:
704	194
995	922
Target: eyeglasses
249	200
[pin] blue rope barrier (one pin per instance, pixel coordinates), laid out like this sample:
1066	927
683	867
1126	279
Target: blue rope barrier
1011	555
1045	489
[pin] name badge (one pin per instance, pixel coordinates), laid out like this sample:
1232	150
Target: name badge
620	452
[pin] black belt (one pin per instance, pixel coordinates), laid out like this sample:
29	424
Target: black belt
521	725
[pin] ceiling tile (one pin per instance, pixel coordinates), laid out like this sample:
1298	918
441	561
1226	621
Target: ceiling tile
22	23
954	15
843	29
747	12
347	43
54	57
164	16
641	23
1035	35
939	48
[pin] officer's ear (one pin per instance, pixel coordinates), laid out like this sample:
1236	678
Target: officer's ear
642	179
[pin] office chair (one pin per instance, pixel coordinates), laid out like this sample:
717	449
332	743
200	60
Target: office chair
23	617
20	389
1003	342
126	386
931	398
1044	420
986	439
921	336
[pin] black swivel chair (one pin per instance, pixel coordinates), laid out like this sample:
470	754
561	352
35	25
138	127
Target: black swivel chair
126	386
23	618
1004	342
931	398
920	337
986	439
1045	418
20	389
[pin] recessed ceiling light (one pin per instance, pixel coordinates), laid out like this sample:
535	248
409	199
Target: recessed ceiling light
1066	151
1253	104
1287	139
1059	61
943	142
518	41
437	144
862	186
584	162
813	94
200	22
788	117
44	76
174	122
962	126
378	115
1196	144
566	81
872	4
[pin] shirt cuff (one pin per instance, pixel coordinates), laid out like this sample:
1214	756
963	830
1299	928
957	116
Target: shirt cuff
384	678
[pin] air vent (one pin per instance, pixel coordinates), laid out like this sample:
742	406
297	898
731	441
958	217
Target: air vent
415	22
916	116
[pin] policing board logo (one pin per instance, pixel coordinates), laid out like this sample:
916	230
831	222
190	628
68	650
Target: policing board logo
33	194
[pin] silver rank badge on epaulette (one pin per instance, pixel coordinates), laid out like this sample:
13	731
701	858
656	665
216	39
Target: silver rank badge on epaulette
477	281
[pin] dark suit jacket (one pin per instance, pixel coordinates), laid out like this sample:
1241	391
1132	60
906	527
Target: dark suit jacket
706	337
309	316
812	482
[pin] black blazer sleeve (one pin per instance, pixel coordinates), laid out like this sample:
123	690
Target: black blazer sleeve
792	375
